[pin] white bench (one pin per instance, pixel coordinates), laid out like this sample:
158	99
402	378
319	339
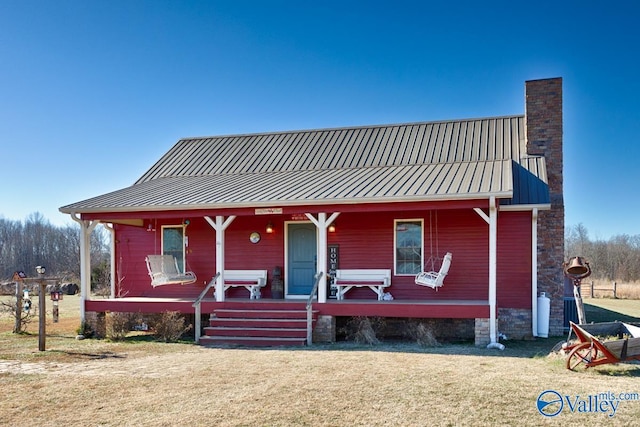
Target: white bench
252	280
376	280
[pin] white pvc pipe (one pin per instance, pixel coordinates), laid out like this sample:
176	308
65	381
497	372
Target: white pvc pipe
493	239
495	345
534	272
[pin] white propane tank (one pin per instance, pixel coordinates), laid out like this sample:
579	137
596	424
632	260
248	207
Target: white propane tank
544	310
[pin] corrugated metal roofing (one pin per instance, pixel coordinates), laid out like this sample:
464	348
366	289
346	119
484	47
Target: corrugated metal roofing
460	159
395	145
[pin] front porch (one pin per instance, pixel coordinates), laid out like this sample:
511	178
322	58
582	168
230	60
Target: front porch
254	319
379	240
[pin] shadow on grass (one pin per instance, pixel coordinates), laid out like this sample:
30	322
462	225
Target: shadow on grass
151	338
534	348
628	369
595	314
142	338
89	356
138	338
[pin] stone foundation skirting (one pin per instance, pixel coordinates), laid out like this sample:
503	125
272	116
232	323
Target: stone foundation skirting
515	323
325	329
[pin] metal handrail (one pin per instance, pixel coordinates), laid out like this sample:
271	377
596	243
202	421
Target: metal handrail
197	302
317	278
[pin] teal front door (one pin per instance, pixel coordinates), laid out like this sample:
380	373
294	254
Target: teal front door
301	256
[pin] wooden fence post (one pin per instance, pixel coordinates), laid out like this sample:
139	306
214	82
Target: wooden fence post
17	328
615	285
591	289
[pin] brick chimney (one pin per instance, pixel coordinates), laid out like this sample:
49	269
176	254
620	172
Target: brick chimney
543	122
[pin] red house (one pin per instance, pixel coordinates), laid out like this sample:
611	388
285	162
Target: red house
257	216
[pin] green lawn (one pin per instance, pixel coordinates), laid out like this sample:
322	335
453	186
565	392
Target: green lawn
608	310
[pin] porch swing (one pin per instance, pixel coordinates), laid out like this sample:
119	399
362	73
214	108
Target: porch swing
434	278
163	269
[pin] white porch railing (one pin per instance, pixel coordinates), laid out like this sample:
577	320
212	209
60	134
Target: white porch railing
196	305
317	278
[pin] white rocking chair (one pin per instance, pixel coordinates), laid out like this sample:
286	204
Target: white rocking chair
435	279
163	270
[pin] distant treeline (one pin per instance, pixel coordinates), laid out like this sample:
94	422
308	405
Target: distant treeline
615	259
35	241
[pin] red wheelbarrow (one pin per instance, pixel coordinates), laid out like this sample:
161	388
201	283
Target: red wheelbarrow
620	342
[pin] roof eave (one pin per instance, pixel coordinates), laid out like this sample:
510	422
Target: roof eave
526	207
286	203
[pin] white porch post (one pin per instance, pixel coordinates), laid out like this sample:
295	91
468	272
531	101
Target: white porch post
322	222
492	220
220	225
534	272
493	262
86	227
112	250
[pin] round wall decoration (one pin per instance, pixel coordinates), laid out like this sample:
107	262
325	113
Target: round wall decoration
254	237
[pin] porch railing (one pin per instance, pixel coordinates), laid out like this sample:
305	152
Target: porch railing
317	278
196	305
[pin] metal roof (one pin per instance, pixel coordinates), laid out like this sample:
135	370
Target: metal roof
460	159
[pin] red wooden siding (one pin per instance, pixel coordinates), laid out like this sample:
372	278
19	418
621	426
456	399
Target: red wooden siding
514	260
241	254
133	244
366	240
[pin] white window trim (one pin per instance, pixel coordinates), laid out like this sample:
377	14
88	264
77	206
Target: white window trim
184	243
395	244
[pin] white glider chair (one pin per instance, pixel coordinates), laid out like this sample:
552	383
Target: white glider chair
163	270
435	279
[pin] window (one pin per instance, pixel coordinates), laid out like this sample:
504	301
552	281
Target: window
408	246
173	243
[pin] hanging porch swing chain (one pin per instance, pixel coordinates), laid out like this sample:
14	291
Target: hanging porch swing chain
433	258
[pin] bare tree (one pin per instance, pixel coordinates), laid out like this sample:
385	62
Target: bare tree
615	259
35	241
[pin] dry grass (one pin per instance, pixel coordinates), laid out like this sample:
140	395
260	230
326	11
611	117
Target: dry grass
141	382
628	290
604	289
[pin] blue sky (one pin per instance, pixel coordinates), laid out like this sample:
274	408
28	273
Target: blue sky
92	93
